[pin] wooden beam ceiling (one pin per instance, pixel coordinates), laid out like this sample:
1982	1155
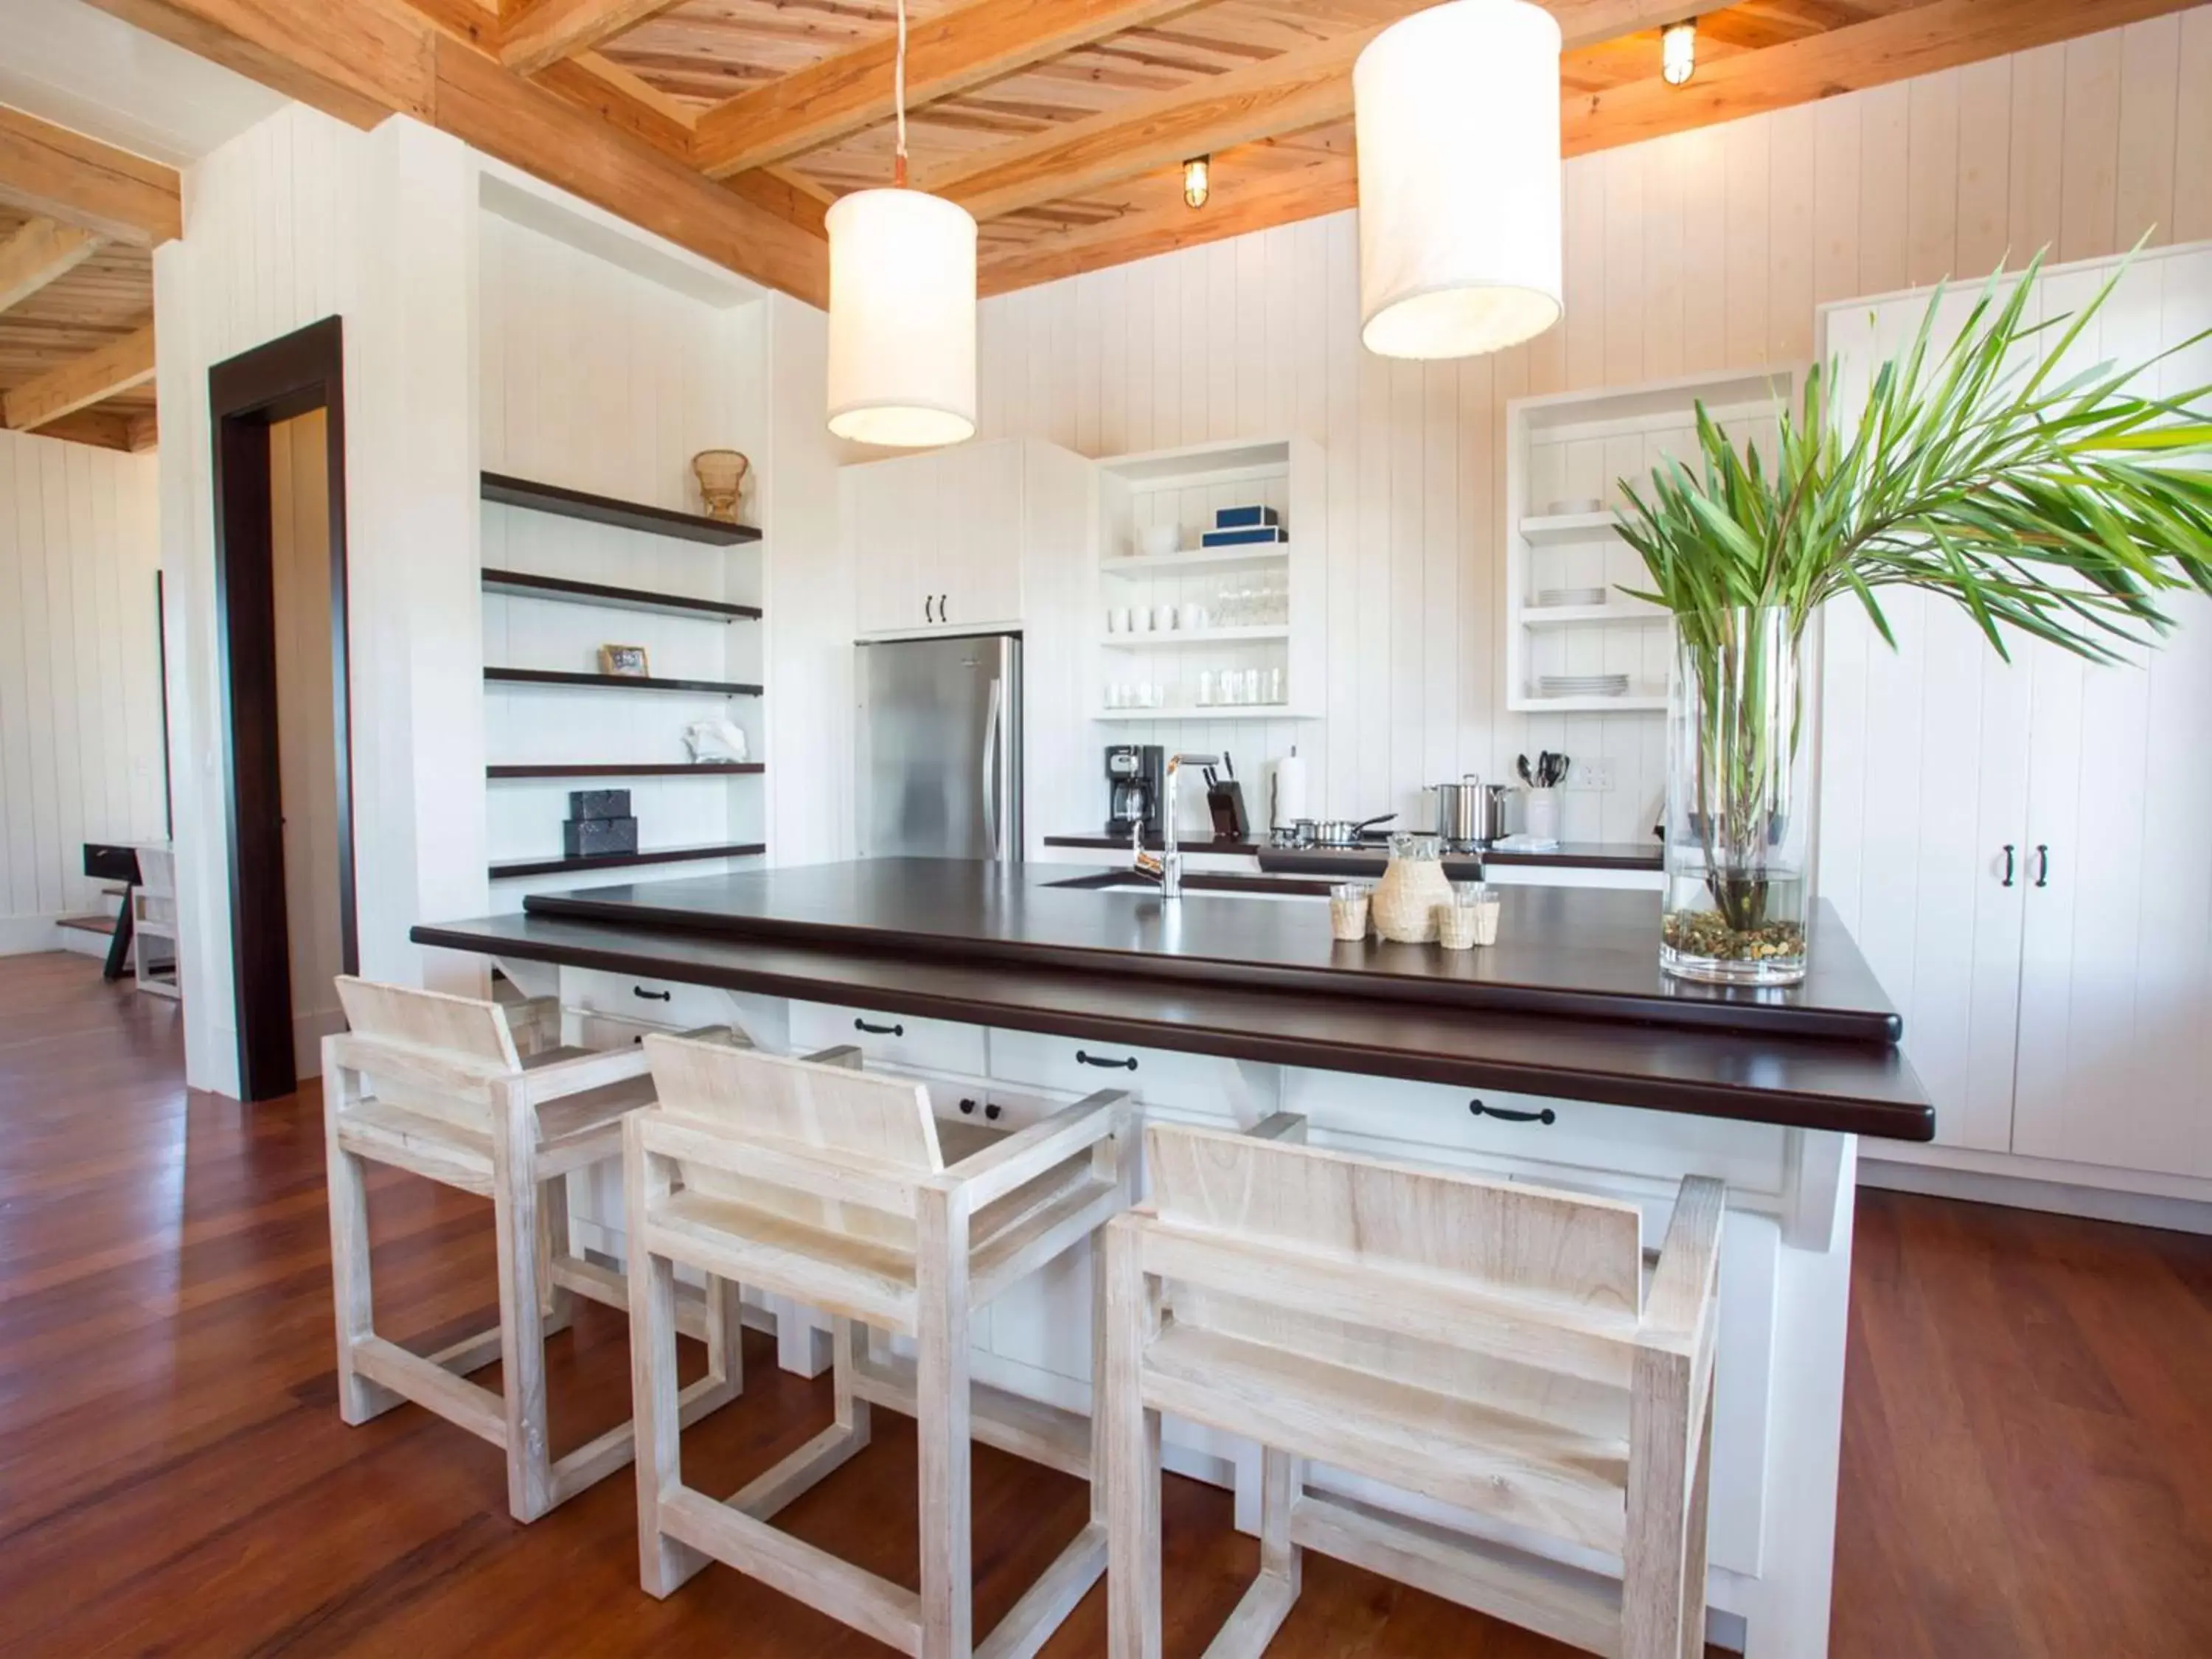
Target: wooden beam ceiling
81	382
59	174
1284	93
38	253
538	33
363	60
946	53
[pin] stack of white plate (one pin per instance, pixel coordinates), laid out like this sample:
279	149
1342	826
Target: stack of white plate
1548	597
1583	685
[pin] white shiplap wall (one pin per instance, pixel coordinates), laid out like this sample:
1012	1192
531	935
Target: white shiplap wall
598	378
1707	251
79	675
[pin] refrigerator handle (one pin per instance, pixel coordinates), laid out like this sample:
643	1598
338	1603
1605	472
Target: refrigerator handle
990	766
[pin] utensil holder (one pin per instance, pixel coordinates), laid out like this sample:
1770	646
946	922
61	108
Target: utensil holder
1540	817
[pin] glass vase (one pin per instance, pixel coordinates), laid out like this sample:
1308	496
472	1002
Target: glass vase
1738	802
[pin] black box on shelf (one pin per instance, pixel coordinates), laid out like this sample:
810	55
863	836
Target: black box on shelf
598	803
584	838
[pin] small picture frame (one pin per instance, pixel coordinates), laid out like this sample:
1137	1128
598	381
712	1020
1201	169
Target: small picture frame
627	660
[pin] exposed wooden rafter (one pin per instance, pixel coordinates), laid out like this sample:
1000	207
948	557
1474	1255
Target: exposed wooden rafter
365	59
56	174
81	382
946	53
38	253
1284	93
538	32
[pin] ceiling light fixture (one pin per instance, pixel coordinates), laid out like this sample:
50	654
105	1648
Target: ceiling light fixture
902	307
1456	117
1678	51
1197	180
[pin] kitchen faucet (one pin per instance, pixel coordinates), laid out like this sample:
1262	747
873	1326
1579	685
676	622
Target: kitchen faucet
1167	868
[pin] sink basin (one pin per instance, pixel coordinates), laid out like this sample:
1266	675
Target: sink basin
1273	889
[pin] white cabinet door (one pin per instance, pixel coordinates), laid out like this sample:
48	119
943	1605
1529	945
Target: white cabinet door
981	502
2115	981
893	514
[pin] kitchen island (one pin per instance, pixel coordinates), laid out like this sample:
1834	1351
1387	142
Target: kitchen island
1561	1056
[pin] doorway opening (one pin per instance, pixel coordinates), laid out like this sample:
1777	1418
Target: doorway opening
277	416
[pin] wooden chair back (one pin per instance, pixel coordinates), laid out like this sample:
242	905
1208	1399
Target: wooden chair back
1523	1246
426	1051
156	899
829	1114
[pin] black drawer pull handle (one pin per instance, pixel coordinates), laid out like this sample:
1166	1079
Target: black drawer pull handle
878	1030
1547	1115
1082	1058
2007	882
995	1111
652	996
968	1106
2042	865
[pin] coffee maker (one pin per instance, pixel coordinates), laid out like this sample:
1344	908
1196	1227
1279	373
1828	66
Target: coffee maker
1133	774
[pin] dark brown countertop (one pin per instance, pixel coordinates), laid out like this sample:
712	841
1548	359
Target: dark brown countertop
1369	860
1857	1088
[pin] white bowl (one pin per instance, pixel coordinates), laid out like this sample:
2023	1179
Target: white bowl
1159	540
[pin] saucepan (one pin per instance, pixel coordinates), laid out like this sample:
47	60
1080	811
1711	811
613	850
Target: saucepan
1343	832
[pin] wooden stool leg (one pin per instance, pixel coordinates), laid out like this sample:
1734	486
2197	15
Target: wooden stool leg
1693	1551
941	1423
359	1398
559	1303
1133	1463
726	1335
849	1346
521	1313
1654	1610
663	1564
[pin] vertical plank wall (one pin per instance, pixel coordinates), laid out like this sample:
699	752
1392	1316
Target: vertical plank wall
1706	251
80	674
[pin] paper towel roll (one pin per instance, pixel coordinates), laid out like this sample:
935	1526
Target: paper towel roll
1288	794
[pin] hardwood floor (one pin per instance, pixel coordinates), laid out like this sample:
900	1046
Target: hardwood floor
2027	1458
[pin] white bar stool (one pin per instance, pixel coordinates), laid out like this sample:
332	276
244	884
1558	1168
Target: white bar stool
815	1181
437	1085
1489	1346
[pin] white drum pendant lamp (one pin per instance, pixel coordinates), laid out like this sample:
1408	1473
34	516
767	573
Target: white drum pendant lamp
902	309
1457	116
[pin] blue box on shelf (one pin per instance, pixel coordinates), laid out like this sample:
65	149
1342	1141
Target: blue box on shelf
1243	518
1259	534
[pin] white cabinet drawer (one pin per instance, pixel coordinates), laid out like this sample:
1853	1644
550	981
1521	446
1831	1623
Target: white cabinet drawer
1528	1136
892	1040
629	1001
1078	1067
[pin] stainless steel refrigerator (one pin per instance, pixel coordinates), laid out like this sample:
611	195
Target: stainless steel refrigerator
940	747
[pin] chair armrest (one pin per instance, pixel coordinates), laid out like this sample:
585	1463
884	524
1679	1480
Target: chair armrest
562	1078
1678	1309
995	1171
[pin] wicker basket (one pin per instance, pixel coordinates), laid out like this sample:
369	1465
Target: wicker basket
1412	886
721	475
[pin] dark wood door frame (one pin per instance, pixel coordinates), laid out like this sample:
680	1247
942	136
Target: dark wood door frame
246	395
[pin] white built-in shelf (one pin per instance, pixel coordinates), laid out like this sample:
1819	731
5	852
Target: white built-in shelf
1551	529
1578	446
1176	636
1590	615
1225	711
1635	702
1249	555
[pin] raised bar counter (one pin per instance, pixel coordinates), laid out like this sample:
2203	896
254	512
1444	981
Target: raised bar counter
1569	1003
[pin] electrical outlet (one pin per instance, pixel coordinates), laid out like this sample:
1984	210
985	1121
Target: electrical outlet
1592	774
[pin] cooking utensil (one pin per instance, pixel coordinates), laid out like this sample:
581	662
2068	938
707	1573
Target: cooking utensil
1463	809
1521	765
1343	832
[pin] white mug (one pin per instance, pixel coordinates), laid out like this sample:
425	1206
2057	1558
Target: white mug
1193	616
1141	621
1117	620
1163	618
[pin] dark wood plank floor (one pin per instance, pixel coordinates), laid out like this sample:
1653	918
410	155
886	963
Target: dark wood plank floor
2027	1445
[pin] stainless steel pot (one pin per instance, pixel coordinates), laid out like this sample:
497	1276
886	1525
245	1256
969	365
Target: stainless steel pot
1343	832
1470	813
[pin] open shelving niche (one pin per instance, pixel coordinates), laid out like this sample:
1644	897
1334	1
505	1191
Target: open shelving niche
590	536
1570	447
1185	487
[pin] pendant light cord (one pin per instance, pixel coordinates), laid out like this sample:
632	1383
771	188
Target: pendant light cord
898	98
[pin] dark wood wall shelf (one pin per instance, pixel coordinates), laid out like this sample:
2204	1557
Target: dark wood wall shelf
605	509
522	584
615	682
647	770
736	849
